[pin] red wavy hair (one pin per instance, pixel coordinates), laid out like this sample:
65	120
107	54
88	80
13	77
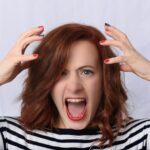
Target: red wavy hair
38	109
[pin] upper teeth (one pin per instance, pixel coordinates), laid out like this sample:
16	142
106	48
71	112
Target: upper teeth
75	100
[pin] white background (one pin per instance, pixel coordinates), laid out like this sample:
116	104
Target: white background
131	16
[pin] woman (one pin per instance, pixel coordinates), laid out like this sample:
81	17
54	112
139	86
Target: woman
72	99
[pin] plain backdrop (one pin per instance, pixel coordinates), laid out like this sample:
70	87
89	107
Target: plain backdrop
130	16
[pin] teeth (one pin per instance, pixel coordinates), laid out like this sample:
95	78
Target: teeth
75	100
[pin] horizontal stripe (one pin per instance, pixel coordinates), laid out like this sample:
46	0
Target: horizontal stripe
132	136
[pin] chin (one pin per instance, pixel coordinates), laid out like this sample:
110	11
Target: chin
77	125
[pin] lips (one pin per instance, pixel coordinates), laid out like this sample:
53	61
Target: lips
76	108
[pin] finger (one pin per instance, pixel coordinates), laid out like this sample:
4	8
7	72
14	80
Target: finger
115	33
26	58
29	40
115	43
109	30
31	32
118	59
125	68
34	31
20	48
25	48
111	35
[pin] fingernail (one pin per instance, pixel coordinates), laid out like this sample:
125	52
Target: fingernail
106	60
35	55
102	41
108	25
42	27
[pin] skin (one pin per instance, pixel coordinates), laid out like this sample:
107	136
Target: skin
132	60
16	60
78	80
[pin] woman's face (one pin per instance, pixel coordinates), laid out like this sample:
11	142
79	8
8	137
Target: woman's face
77	93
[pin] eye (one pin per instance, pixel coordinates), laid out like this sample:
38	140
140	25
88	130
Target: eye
87	72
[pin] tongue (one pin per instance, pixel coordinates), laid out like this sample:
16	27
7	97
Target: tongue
75	109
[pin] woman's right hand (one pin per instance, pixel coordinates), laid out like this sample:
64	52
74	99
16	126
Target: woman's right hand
16	61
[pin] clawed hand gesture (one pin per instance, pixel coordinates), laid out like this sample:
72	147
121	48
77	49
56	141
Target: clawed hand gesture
132	60
16	60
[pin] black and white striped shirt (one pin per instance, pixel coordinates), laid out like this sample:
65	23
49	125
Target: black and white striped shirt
136	136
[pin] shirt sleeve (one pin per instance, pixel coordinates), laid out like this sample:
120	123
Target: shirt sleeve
147	133
1	142
2	124
148	140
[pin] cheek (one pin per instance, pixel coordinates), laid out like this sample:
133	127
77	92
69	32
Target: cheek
95	93
96	86
57	93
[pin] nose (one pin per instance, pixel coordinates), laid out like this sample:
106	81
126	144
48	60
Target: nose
74	84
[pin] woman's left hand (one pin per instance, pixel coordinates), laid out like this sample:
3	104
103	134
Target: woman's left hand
132	60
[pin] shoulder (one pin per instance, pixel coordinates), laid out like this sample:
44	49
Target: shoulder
137	126
139	122
11	128
134	134
8	119
7	122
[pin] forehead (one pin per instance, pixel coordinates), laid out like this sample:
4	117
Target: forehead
83	53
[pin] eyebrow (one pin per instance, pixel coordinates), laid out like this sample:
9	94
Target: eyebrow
86	66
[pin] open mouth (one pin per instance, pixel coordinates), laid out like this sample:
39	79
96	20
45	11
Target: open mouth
76	108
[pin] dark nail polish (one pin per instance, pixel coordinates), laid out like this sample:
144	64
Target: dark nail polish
106	24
